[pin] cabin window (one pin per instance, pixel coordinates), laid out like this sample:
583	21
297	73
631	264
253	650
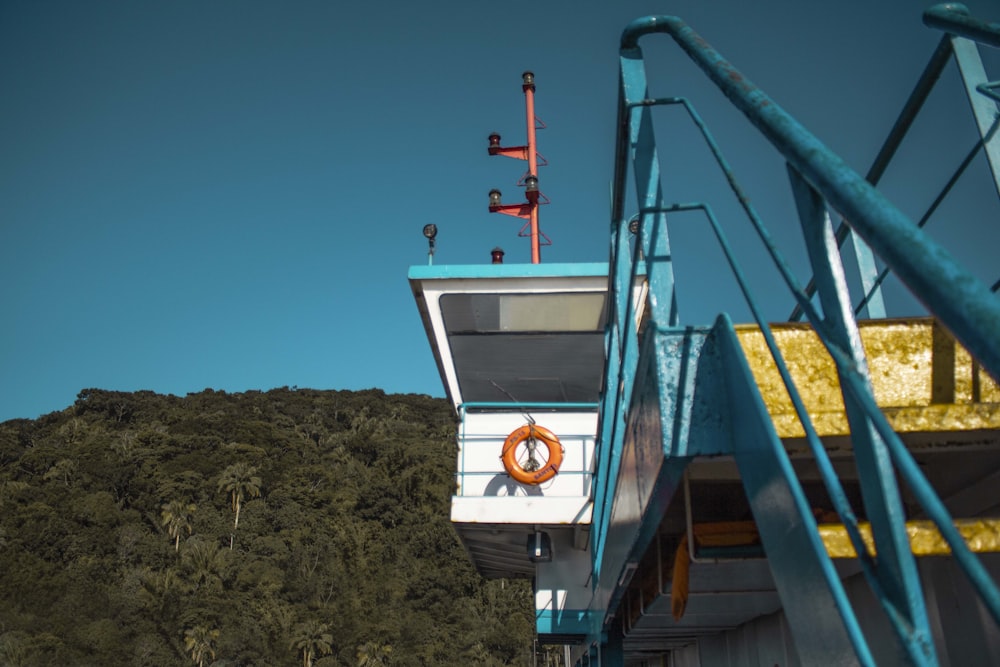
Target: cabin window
496	312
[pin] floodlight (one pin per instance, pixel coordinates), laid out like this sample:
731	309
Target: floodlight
539	547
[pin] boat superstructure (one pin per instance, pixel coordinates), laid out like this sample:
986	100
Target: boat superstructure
822	491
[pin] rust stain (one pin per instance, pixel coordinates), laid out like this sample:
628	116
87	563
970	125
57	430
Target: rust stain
923	380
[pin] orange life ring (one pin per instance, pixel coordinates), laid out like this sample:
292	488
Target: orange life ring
548	468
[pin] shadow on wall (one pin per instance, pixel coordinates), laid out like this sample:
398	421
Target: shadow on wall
504	485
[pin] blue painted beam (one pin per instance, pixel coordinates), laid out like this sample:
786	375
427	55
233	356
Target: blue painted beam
953	18
814	600
960	300
896	568
929	77
621	361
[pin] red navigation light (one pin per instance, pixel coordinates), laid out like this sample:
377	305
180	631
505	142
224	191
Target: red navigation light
529	153
494	144
531	188
494	199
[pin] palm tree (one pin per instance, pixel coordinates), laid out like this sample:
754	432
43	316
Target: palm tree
200	643
239	481
373	654
205	562
176	517
311	639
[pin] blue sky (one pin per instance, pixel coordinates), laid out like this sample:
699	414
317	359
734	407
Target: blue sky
228	194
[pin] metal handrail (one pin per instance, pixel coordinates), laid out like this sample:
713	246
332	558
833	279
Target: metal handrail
953	18
959	300
962	302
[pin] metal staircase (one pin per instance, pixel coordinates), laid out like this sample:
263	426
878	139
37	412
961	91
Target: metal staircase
760	491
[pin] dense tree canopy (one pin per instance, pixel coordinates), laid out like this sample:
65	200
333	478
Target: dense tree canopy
289	527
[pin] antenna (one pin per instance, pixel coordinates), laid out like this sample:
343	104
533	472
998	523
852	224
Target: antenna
529	209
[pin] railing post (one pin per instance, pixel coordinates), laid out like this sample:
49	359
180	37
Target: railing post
655	242
970	66
896	568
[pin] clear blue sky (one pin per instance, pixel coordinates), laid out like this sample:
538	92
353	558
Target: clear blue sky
228	194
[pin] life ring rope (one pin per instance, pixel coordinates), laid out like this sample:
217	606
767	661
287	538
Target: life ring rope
532	433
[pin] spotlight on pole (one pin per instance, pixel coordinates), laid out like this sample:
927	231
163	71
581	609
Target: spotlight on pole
430	233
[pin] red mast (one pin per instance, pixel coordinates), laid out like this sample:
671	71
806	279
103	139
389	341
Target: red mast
529	209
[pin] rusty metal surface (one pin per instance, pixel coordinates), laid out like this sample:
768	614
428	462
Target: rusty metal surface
982	536
923	380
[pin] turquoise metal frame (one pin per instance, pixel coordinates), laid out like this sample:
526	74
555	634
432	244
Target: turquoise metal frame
963	32
961	301
823	618
553	269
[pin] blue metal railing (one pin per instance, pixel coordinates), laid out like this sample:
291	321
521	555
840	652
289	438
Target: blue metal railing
818	178
961	29
961	301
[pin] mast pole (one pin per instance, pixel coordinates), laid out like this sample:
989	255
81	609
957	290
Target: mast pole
528	86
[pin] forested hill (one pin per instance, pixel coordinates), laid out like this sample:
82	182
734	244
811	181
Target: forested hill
288	527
